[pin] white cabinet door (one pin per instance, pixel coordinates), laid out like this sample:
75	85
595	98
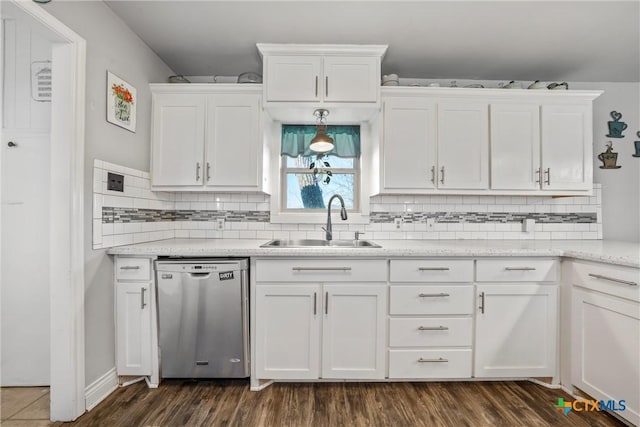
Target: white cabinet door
605	349
463	145
178	139
293	78
567	147
409	144
133	328
288	331
353	331
234	142
515	146
351	79
516	330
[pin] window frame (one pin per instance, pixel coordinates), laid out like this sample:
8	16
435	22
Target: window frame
355	171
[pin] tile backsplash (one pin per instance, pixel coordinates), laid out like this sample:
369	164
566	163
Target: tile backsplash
139	215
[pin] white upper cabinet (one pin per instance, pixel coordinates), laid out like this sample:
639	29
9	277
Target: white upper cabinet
463	145
515	146
409	144
292	78
566	158
207	138
342	78
351	79
178	139
486	141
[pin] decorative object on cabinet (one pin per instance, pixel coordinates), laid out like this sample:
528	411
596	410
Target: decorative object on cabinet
609	158
513	85
41	81
616	127
390	80
637	145
538	85
250	77
121	103
321	143
178	79
558	86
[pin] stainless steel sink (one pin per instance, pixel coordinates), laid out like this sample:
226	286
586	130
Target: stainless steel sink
311	243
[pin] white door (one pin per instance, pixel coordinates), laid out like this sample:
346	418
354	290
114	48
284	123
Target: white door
25	259
293	78
177	144
515	147
463	145
133	328
353	331
567	146
409	144
351	79
516	330
234	142
605	349
288	331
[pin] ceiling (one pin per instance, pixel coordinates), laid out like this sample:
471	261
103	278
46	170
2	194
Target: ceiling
485	40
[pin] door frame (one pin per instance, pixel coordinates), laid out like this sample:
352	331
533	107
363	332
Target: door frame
66	216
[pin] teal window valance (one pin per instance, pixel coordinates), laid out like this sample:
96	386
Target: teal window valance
296	140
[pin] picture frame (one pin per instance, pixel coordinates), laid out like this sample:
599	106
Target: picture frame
122	101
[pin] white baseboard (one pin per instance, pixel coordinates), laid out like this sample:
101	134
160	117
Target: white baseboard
97	391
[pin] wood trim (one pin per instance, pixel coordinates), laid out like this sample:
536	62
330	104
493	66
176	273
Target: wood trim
67	217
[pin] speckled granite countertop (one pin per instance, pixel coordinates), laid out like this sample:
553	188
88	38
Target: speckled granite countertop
612	252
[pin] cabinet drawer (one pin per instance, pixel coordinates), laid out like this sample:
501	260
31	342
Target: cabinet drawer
431	300
453	363
430	332
133	268
623	282
517	270
445	270
321	270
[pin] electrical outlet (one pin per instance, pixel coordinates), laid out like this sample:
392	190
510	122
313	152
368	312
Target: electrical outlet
115	182
431	222
219	223
528	225
397	222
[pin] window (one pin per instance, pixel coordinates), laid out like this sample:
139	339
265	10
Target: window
309	179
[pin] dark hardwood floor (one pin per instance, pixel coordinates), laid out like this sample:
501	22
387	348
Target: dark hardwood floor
231	403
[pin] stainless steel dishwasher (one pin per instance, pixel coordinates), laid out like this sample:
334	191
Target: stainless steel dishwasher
203	314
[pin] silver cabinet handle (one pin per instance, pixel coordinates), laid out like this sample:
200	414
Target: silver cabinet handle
519	268
433	328
441	294
326	303
442	175
481	307
208	171
142	303
539	175
433	269
316	85
548	174
433	174
438	360
321	269
613	279
130	267
197	171
326	85
11	144
315	303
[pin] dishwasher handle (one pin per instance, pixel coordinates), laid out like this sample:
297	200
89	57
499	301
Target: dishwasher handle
200	275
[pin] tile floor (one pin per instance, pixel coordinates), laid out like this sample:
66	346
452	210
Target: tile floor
24	406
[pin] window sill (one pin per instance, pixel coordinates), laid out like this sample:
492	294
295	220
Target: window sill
317	218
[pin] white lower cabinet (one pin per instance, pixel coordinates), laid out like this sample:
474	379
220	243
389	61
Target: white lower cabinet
288	331
605	335
516	330
133	328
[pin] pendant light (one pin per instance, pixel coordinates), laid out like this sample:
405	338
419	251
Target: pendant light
321	143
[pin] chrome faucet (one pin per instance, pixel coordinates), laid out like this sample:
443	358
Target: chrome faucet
343	215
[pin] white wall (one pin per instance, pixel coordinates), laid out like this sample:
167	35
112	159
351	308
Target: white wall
620	187
112	46
25	203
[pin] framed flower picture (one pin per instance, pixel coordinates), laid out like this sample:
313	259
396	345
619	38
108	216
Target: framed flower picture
121	102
